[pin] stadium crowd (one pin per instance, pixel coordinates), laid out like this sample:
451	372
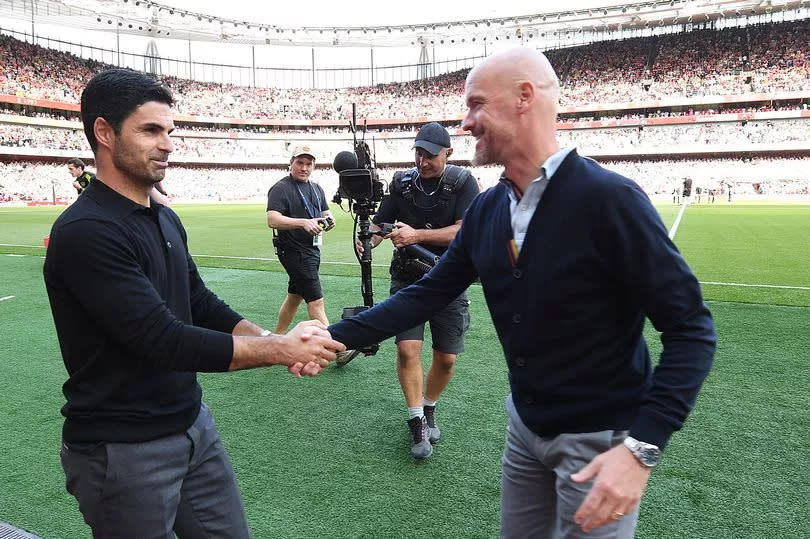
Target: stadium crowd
228	149
762	58
27	181
704	62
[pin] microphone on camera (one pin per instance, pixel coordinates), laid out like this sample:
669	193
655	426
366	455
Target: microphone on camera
344	161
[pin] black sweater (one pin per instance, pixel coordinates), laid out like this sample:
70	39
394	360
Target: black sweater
570	311
130	311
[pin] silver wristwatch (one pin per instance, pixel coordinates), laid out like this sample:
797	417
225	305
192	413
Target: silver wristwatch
647	454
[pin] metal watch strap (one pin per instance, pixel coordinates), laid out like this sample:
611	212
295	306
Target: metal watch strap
647	454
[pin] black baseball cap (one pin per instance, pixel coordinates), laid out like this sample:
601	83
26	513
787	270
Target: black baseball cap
433	138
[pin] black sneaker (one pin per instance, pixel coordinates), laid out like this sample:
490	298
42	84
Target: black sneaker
430	418
420	438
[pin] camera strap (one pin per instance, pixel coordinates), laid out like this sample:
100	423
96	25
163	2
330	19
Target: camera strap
452	179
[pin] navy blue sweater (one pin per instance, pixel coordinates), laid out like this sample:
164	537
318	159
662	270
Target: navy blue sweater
570	311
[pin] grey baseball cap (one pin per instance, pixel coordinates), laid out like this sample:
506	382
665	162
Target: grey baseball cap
432	138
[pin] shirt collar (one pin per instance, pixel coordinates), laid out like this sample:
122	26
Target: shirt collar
555	160
114	201
547	170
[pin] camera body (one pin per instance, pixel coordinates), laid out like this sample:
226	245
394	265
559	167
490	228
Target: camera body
358	181
326	223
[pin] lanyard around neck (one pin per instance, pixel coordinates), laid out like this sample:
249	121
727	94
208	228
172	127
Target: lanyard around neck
307	206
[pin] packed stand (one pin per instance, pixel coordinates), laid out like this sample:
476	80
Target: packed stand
28	182
397	149
603	72
685	65
779	57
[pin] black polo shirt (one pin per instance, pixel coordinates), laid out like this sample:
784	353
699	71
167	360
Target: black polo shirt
135	322
300	200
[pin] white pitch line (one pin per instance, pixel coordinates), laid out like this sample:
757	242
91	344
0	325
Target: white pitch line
258	258
7	297
779	286
261	259
677	222
12	254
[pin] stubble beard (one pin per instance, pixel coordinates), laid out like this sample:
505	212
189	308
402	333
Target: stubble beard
485	154
127	163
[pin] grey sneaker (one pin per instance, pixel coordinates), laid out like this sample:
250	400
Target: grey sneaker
420	434
430	417
345	357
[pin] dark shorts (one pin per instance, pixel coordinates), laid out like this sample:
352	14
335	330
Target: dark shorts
302	268
447	327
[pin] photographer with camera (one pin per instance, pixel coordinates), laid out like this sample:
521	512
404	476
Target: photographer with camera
298	213
426	204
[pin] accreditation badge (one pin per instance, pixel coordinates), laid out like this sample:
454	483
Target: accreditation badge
317	240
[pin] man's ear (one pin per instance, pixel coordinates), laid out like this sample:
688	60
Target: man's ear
526	95
105	134
449	152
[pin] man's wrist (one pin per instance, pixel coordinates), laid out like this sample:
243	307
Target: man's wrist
648	455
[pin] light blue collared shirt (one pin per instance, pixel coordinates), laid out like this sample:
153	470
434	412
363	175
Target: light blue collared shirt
522	210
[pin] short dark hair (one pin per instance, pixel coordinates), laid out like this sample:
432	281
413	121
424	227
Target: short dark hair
76	162
114	95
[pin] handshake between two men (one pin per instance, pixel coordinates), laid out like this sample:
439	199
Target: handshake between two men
308	348
305	350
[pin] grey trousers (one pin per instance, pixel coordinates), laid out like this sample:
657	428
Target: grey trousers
538	498
183	484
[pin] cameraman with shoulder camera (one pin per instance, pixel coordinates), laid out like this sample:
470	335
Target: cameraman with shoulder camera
426	204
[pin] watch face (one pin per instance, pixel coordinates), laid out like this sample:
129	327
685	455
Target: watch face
649	455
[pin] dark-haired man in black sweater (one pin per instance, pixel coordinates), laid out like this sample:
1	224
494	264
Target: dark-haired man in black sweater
135	323
572	258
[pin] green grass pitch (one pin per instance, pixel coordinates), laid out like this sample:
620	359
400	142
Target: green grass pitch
329	457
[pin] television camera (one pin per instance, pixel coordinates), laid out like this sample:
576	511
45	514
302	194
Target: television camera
359	184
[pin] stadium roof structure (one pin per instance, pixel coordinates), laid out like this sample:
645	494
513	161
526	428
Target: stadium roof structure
161	19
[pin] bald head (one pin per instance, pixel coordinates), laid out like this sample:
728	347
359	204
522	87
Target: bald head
512	67
512	100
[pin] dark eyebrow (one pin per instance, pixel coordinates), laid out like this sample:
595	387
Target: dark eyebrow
155	125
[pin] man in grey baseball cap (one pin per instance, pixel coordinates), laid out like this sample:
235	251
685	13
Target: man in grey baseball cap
434	138
426	204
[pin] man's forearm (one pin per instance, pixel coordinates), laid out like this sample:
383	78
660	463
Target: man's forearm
440	236
246	328
282	222
250	352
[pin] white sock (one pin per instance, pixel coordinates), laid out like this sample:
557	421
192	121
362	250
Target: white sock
428	403
415	412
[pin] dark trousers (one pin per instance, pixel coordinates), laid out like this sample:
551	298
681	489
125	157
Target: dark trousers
183	484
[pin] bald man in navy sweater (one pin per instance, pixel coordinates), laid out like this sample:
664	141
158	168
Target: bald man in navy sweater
572	258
